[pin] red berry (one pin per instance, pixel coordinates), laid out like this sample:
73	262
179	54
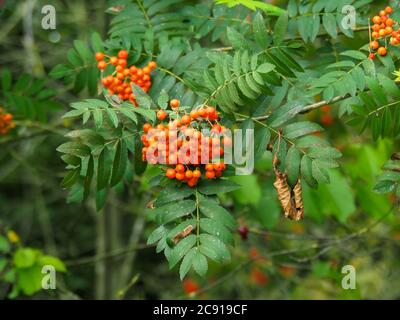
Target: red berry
161	115
102	65
243	231
99	56
174	103
123	54
170	173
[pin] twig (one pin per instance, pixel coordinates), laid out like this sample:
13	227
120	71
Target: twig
110	255
307	108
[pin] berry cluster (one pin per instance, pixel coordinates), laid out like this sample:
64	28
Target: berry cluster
119	82
382	30
6	122
189	144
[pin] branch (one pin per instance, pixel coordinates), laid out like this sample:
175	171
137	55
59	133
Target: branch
307	108
93	259
360	29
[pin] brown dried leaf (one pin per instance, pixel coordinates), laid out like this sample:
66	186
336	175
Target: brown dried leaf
182	234
291	200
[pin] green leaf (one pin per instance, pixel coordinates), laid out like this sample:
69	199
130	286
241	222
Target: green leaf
200	264
187	263
119	164
113	117
52	261
320	174
262	137
73	114
103	171
6	79
216	247
71	177
74	148
280	29
354	54
156	235
98	118
329	23
129	113
148	114
259	29
292	164
216	228
144	101
24	257
181	249
214	211
265	68
97	42
324	153
4	245
298	129
306	171
217	186
173	211
171	194
88	177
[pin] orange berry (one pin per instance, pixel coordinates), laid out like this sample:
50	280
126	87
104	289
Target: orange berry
114	61
382	32
174	103
394	41
180	168
102	65
388	30
189	174
210	111
374	45
382	51
99	56
123	54
152	65
192	182
376	27
202	113
133	70
180	176
388	10
196	174
161	115
194	114
375	35
210	174
382	13
170	173
186	119
389	22
146	70
209	167
122	62
146	127
376	20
